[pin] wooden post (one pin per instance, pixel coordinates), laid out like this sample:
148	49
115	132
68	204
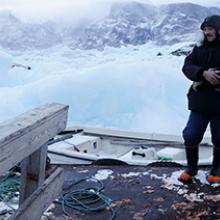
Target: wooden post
35	205
32	172
24	139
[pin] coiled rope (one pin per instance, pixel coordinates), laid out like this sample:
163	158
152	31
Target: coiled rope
9	189
88	199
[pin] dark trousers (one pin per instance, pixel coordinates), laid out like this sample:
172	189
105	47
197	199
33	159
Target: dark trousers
196	126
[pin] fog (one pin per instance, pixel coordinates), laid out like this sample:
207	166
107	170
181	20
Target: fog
73	11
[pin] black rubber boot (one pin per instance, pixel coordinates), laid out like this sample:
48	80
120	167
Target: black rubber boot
214	176
192	156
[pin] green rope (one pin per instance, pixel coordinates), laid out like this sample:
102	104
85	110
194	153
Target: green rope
88	199
9	188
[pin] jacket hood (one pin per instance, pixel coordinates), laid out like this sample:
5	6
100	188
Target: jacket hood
213	21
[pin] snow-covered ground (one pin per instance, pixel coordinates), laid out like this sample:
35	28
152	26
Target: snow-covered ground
126	88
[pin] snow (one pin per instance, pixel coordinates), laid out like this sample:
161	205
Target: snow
3	208
201	2
173	182
129	88
131	174
9	206
103	174
83	171
6	61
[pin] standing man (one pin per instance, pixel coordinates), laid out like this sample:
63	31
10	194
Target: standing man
202	66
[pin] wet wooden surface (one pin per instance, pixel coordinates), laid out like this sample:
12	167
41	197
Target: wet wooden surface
141	193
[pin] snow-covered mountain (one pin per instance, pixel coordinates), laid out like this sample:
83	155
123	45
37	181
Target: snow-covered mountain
128	23
17	35
137	23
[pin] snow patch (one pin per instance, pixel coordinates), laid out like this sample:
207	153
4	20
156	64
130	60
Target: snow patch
154	176
83	171
131	174
102	174
172	182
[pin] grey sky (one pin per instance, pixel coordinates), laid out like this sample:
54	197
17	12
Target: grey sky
75	9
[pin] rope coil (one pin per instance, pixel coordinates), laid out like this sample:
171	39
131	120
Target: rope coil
88	199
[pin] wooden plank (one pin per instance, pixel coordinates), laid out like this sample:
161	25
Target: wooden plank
26	133
35	205
32	172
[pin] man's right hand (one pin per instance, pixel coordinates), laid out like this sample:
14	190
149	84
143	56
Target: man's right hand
212	76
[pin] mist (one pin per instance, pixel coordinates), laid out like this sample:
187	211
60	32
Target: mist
74	11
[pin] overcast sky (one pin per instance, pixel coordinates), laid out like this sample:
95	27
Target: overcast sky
75	8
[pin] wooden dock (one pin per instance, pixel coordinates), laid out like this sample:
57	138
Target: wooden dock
24	139
144	193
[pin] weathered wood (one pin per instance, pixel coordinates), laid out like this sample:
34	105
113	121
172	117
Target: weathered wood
32	172
25	134
34	206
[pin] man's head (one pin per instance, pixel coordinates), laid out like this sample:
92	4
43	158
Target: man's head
211	27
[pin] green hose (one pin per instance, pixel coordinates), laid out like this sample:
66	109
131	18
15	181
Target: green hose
9	189
87	200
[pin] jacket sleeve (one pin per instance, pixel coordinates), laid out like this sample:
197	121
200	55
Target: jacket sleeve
191	69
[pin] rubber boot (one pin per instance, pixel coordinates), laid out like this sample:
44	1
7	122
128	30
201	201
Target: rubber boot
214	176
192	156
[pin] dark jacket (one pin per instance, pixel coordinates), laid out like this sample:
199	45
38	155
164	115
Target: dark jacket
207	98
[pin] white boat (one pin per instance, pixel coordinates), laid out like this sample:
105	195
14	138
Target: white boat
86	145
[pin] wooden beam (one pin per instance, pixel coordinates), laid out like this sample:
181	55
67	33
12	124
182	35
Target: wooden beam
32	172
35	205
26	133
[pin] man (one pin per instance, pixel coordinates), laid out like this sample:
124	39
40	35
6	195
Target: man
202	66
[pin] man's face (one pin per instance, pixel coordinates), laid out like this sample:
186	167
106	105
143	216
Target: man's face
210	33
